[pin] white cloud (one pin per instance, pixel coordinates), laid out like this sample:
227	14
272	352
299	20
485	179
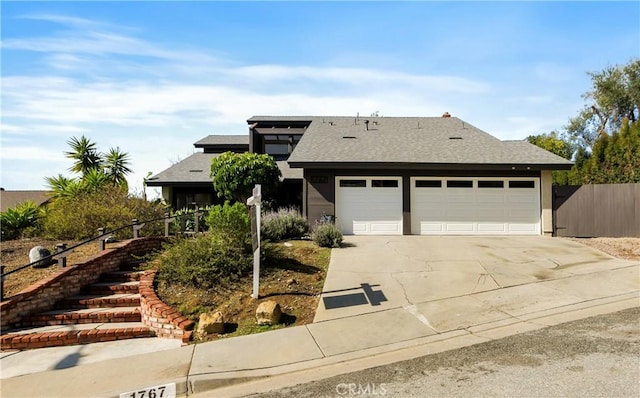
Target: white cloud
155	107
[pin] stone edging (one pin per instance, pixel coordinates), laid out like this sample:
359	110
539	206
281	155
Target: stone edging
160	317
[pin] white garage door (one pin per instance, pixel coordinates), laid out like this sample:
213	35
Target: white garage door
369	205
475	206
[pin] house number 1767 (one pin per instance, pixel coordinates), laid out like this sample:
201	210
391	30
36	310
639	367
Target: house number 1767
163	391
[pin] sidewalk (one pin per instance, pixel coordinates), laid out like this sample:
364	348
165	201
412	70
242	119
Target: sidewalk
255	363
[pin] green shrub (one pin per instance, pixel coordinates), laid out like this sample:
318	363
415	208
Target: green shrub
327	235
80	217
231	224
203	261
20	221
184	220
286	223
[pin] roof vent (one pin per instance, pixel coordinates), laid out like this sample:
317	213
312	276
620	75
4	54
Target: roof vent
366	124
446	114
455	138
349	137
195	171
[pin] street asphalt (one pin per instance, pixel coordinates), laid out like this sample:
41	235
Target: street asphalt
386	299
593	357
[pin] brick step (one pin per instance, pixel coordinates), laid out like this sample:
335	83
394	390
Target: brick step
82	316
52	336
100	301
111	288
131	265
120	276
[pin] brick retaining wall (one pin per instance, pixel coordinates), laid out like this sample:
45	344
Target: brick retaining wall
68	281
163	319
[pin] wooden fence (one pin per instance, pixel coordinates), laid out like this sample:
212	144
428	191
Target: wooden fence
596	210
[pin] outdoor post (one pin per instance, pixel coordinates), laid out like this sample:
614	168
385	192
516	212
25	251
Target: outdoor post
135	230
62	260
167	221
101	239
254	202
1	282
196	215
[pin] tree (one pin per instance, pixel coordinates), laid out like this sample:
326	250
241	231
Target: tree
116	166
96	170
560	144
614	96
85	155
614	159
234	175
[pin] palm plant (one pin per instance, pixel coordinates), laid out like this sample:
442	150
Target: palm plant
94	179
85	155
116	166
62	186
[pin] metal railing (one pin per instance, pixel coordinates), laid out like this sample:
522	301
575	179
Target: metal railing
62	251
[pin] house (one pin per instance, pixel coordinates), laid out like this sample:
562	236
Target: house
407	175
11	199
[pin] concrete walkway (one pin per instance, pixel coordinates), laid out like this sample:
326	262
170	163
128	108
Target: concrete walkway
385	299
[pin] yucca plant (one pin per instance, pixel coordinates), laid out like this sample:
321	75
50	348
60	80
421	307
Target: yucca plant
16	221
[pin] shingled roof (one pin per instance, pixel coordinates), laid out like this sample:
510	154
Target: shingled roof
197	169
10	199
223	140
411	140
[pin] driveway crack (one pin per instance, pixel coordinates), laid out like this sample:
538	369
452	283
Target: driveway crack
404	290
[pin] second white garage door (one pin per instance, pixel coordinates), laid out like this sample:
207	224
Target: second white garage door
475	206
369	205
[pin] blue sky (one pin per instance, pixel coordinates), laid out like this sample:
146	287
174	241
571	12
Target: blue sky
154	77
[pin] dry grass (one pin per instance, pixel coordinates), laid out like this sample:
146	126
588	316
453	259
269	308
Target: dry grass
15	253
295	282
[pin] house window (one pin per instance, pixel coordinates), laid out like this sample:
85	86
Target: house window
459	184
428	184
280	146
490	184
522	184
384	183
353	183
319	179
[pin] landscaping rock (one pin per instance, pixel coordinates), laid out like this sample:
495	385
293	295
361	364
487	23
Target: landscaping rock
40	254
210	323
268	313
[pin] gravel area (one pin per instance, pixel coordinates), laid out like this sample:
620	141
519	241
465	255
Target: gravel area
626	248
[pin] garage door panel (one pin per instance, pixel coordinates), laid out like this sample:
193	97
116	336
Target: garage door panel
466	228
492	228
490	206
368	210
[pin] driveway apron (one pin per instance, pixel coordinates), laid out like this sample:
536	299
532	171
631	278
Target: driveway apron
453	282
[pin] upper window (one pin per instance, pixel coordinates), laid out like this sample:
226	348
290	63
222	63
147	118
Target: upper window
353	183
384	183
319	179
428	184
490	184
522	184
459	184
280	146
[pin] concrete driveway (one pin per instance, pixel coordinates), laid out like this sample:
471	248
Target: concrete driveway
417	274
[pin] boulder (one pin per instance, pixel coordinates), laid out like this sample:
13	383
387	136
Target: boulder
268	313
210	323
40	254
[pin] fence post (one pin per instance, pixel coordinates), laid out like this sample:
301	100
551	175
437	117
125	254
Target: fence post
135	230
167	221
196	222
62	259
1	282
101	239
